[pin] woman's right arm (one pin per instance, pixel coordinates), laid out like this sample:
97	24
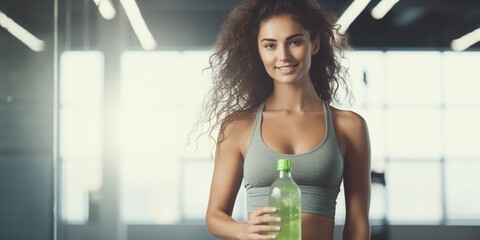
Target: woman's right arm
226	180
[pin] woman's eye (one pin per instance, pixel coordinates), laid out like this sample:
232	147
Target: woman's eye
295	43
269	46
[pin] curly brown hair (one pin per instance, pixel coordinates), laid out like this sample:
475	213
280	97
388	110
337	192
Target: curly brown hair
240	81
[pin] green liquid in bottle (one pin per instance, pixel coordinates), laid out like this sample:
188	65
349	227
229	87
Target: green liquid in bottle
285	196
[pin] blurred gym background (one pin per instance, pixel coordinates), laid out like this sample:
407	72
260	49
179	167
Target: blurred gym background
97	98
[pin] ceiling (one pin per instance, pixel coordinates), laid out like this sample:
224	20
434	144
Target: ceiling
411	24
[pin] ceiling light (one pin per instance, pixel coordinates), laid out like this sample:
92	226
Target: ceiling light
106	9
351	14
466	41
382	8
21	34
138	24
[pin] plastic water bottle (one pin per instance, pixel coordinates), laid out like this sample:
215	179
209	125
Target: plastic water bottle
285	196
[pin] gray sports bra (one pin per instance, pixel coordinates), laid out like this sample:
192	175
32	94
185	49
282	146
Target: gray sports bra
318	172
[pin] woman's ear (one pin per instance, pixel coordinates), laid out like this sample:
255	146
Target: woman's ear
316	44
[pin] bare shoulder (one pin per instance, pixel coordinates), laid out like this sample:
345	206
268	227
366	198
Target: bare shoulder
348	121
238	122
237	129
351	129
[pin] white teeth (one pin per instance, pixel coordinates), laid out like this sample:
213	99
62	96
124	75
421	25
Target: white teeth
286	67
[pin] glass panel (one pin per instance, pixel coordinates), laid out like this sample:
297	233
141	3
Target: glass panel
462	189
367	76
197	174
153	111
149	132
413	133
411	80
194	81
151	165
160	96
414	192
80	132
462	131
377	203
462	77
149	92
195	84
151	78
81	85
81	180
150	190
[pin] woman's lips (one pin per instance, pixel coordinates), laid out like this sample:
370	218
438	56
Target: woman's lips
286	68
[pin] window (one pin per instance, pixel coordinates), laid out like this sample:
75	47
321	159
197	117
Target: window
80	134
161	95
462	155
422	128
422	110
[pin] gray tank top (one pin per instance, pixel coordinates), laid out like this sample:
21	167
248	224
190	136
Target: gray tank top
318	172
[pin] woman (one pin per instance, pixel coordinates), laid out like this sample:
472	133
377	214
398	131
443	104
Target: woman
275	75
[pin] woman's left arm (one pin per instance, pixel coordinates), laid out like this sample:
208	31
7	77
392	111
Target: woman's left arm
356	177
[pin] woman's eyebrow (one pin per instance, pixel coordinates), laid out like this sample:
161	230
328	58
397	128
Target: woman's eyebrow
288	38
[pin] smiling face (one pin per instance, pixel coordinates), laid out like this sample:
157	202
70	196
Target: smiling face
286	49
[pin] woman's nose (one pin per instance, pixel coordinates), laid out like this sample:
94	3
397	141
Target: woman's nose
284	53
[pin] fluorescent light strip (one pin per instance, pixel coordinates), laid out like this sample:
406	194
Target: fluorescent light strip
21	34
351	14
466	41
138	24
379	11
106	9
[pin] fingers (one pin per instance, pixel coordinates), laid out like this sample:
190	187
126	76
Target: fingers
262	215
259	223
256	236
265	210
264	219
264	228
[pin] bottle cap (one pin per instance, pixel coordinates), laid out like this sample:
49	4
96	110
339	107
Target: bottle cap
284	165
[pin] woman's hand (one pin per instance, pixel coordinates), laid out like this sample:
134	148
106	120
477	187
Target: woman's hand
258	224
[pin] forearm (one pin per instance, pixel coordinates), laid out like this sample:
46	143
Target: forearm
223	226
359	230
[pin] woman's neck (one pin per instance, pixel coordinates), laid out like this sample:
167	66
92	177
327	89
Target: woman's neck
294	97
